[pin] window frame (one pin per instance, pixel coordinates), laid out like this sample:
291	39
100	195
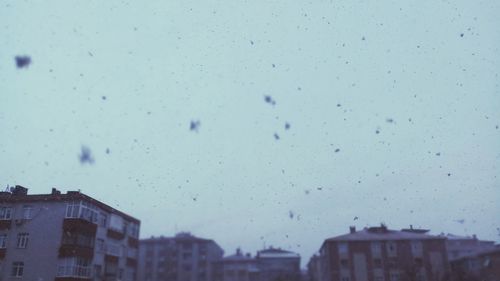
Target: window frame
6	213
22	240
17	269
27	212
3	240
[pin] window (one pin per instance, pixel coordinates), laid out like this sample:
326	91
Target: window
22	240
116	222
379	278
376	248
343	248
344	263
391	249
394	276
377	263
72	209
345	278
27	212
17	269
5	213
3	241
103	219
74	267
83	210
416	248
133	230
101	247
88	212
421	276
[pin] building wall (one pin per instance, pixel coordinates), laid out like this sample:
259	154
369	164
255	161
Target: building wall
57	240
359	261
41	254
277	269
175	259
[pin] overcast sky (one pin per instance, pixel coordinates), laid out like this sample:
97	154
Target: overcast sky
393	111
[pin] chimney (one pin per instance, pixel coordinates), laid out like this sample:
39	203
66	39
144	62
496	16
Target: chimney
55	192
19	191
238	251
352	229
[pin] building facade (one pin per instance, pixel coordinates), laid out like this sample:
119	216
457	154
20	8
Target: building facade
180	258
479	266
65	237
461	246
240	267
272	264
381	254
276	264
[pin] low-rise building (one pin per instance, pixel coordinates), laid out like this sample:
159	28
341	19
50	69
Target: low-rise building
461	246
275	264
240	267
480	266
381	254
183	257
65	237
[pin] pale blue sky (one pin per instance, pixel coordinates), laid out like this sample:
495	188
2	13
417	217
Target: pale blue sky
431	66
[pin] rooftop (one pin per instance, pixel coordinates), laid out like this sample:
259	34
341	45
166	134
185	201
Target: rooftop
179	237
19	194
239	256
382	233
276	253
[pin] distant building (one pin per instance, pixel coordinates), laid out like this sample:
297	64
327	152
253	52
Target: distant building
313	269
65	237
240	267
381	254
480	266
180	258
460	246
272	264
278	265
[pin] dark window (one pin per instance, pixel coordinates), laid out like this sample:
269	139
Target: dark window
22	240
17	269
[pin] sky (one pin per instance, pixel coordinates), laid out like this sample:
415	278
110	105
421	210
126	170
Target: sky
259	123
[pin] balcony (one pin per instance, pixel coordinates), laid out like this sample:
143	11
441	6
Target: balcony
79	226
133	242
74	250
115	234
5	224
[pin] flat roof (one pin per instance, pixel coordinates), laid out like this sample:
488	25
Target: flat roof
8	197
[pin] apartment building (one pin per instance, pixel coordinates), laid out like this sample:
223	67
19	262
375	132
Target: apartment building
65	237
483	265
276	264
381	254
240	267
461	246
183	257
